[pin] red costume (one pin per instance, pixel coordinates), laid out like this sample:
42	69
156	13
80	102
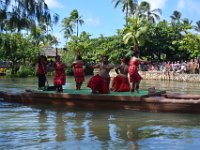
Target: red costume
60	76
79	72
121	84
133	71
42	68
99	84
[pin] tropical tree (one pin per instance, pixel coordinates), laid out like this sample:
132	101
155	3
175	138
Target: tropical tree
176	16
136	31
144	11
24	13
77	19
69	23
197	26
128	6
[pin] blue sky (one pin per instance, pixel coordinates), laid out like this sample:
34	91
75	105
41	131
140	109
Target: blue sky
101	17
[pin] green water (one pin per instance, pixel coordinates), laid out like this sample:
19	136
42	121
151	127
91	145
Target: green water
47	127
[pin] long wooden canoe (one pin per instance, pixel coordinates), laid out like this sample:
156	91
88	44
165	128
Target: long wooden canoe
160	101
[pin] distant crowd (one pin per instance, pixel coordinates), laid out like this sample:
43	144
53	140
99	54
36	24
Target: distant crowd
190	67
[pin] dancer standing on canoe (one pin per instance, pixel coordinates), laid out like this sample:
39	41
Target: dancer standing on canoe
100	83
121	82
60	75
135	77
79	74
41	71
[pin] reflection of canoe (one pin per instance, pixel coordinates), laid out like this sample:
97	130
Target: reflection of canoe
160	101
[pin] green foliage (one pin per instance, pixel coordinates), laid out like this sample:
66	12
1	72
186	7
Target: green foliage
17	49
26	71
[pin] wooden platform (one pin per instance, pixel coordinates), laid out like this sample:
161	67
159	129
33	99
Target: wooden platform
160	101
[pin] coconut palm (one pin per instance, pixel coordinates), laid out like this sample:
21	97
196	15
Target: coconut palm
128	6
197	27
176	16
67	28
24	10
77	19
144	11
135	30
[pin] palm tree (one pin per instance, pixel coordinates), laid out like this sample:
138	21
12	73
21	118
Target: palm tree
76	18
187	24
197	27
24	10
128	6
67	27
135	30
176	16
144	11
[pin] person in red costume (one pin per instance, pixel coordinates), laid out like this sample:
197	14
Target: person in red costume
60	75
41	71
79	74
121	82
135	77
100	83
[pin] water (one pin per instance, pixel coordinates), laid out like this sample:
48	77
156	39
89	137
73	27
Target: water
49	127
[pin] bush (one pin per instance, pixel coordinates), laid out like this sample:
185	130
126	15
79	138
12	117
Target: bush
26	71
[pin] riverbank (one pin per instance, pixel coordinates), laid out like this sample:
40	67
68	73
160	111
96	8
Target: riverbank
159	75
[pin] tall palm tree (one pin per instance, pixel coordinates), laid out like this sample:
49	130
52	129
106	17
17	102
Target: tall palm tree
197	27
67	27
176	16
77	19
144	11
128	6
135	30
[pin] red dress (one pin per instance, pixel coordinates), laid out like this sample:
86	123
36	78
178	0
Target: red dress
79	72
60	76
99	84
133	71
121	84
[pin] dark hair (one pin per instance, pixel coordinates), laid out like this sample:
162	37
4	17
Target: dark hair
78	57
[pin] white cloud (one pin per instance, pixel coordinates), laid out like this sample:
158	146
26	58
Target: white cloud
53	4
156	3
181	4
92	21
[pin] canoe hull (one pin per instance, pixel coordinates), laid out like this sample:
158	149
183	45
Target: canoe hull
153	103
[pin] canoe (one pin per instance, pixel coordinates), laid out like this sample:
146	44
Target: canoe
159	101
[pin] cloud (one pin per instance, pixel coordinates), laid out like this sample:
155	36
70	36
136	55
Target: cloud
156	3
53	4
92	21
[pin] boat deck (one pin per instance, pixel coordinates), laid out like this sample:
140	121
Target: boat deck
142	92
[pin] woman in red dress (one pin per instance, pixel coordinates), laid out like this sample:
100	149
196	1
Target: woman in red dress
100	83
135	77
60	75
79	74
121	82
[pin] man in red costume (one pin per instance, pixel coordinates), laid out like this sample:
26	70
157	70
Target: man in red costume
121	82
100	82
41	71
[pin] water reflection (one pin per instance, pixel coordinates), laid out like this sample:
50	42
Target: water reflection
59	127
